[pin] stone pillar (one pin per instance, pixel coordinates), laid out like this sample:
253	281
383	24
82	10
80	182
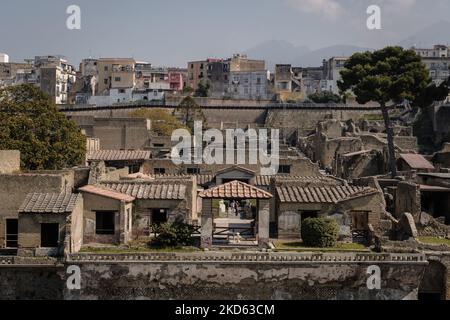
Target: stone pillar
263	222
207	224
121	227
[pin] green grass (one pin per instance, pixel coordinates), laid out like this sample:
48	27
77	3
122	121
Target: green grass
135	247
299	247
434	240
373	117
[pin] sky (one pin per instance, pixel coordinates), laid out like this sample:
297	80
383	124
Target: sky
172	32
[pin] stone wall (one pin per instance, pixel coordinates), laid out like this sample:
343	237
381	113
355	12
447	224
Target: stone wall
15	187
94	203
227	276
31	283
289	214
408	199
116	133
251	276
9	161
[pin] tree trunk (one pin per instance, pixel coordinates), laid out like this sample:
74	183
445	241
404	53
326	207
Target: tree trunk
390	139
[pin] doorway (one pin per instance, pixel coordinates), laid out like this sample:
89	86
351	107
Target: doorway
12	233
159	216
49	235
360	226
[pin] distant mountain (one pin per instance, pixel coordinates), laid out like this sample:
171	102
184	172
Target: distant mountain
437	33
280	51
315	58
277	51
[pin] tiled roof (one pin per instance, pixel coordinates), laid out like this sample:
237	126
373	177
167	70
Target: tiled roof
49	202
427	188
235	190
201	178
107	193
416	161
235	168
265	180
332	194
148	190
119	155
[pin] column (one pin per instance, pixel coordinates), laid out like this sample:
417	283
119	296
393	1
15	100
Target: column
207	224
263	222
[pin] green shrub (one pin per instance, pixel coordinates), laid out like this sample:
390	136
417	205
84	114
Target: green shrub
172	235
320	232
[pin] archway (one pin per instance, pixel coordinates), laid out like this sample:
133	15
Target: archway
433	284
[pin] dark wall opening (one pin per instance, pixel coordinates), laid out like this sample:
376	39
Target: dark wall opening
49	235
433	284
12	231
105	223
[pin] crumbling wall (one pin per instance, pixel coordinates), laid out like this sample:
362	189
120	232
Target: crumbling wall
9	161
408	199
252	281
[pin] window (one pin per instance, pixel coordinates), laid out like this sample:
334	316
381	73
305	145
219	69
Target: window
104	223
160	171
360	220
117	79
106	68
49	235
159	216
121	90
105	81
12	231
284	169
193	170
308	214
158	145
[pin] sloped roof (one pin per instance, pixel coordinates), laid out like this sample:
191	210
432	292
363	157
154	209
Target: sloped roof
427	188
235	190
265	180
331	194
107	193
49	202
235	168
149	190
416	161
119	155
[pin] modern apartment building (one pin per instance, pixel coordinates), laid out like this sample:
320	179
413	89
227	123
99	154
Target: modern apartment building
332	72
115	73
437	60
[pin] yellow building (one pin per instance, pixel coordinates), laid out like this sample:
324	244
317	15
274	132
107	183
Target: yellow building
115	73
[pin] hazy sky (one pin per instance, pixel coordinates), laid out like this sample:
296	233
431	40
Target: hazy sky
171	32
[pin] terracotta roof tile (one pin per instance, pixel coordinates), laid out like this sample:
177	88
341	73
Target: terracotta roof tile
148	190
330	194
119	155
107	193
265	180
416	161
49	202
235	190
